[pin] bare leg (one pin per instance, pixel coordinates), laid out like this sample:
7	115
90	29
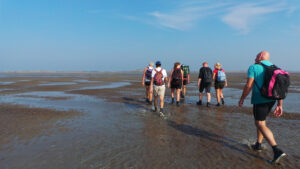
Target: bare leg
208	97
150	95
266	132
184	90
221	93
148	92
155	101
161	97
172	92
260	136
178	95
218	95
200	96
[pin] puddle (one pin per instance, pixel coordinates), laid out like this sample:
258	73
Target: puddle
6	83
109	86
78	102
84	81
57	84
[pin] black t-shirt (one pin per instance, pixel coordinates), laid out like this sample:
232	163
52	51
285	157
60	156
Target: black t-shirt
205	73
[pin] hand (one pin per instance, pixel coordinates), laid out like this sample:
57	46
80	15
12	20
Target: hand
169	85
151	89
225	84
241	102
143	83
278	111
198	85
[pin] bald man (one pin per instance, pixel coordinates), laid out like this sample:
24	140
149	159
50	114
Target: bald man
262	106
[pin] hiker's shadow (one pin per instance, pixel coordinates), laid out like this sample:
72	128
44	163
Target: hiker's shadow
134	103
224	141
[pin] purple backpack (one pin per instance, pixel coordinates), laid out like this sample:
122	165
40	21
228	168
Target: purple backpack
276	83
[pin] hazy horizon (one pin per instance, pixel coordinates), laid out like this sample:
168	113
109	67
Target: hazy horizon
113	35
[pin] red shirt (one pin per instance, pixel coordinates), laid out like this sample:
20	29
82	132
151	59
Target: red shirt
216	71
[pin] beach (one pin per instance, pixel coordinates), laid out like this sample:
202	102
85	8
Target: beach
100	120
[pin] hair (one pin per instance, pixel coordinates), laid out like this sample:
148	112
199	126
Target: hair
176	64
204	63
218	66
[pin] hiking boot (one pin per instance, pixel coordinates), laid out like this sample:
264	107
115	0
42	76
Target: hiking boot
207	104
172	102
222	99
278	154
218	105
199	102
177	104
161	112
181	95
256	147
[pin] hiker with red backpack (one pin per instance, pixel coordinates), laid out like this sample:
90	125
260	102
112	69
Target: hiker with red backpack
157	86
147	75
268	84
176	82
219	77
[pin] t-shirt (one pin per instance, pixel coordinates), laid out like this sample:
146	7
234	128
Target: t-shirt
257	72
216	72
186	70
164	72
205	74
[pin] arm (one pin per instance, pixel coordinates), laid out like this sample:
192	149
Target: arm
143	81
169	84
279	109
214	76
246	90
188	79
199	81
181	77
151	85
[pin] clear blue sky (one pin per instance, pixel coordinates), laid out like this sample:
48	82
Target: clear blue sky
114	35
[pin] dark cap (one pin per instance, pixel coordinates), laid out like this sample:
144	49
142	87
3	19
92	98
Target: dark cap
157	63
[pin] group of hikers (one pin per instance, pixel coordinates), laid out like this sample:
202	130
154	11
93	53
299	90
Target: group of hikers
267	82
156	79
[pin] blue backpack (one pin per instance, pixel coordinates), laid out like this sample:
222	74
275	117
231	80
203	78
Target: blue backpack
221	76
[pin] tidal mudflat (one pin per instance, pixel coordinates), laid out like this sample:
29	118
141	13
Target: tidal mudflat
100	120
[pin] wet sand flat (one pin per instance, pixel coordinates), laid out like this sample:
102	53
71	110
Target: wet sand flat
102	121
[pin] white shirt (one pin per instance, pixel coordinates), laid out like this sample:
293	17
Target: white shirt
164	72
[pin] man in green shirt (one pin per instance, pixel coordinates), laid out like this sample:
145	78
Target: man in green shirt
262	106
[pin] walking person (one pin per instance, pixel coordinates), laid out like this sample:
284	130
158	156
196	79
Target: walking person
261	105
147	75
219	77
157	86
204	83
186	79
176	82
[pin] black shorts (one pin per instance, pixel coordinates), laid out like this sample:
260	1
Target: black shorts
261	111
147	83
176	85
184	82
206	86
219	85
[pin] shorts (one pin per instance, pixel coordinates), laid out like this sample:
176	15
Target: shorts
206	86
261	111
159	90
219	85
184	82
147	83
176	85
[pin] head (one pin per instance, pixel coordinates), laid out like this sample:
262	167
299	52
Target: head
263	55
151	64
205	64
158	64
176	65
218	66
